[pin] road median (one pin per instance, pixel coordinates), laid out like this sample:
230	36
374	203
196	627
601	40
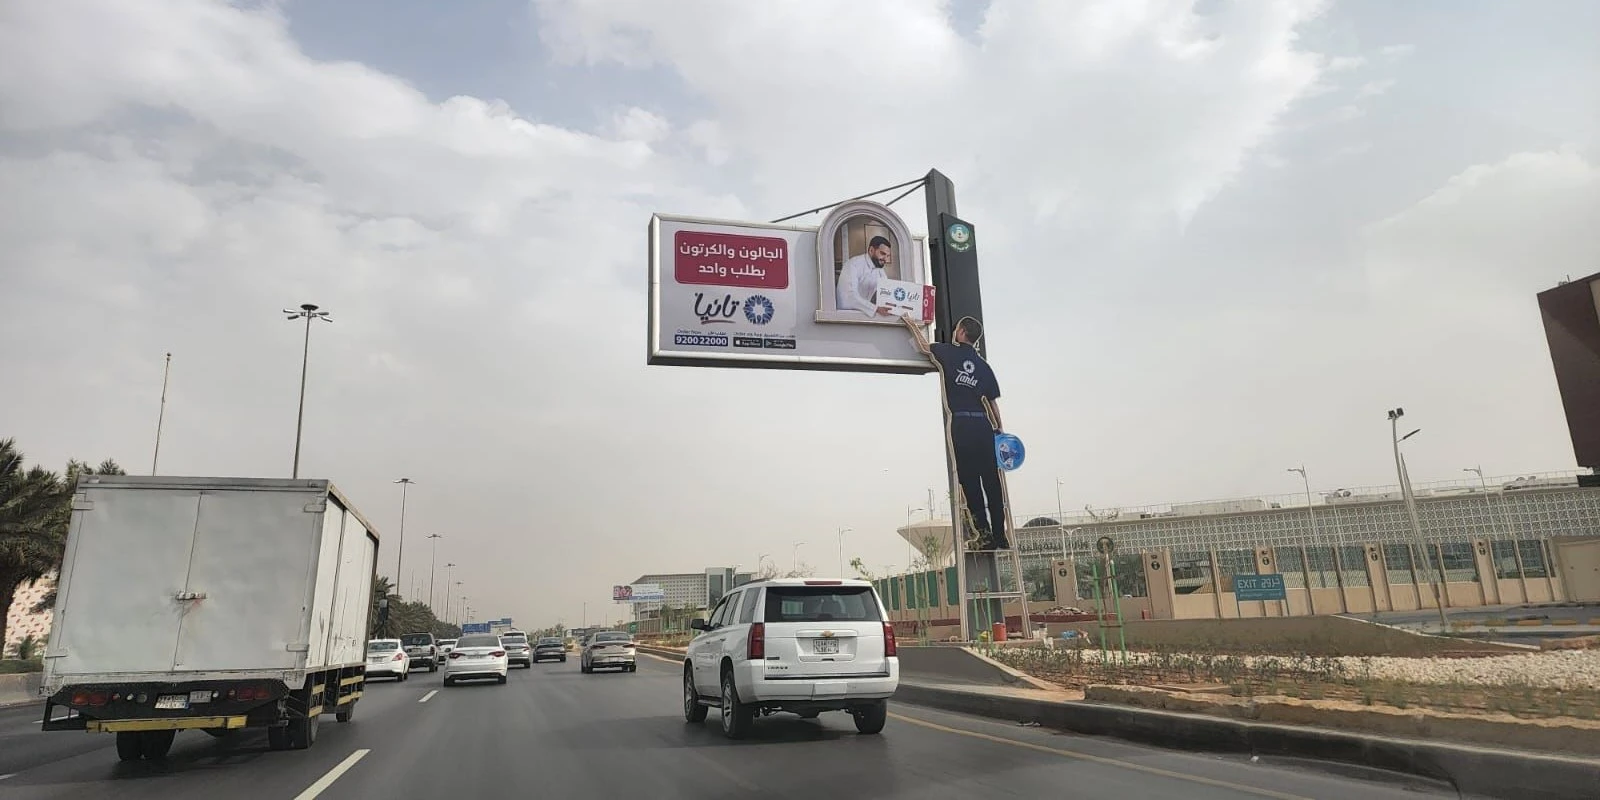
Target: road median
1474	771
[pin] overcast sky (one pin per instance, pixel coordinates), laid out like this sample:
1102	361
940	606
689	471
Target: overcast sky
1217	240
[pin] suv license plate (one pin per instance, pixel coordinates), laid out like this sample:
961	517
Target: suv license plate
824	646
172	701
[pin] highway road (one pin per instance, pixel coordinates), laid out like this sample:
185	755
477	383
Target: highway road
554	732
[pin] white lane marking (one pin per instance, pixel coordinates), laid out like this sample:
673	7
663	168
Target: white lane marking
660	658
428	696
327	780
8	775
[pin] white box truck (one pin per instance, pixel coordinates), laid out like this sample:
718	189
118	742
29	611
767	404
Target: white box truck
211	604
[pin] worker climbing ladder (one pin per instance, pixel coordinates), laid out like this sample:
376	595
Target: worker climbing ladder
984	588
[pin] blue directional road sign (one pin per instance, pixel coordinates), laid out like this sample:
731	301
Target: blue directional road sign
475	627
1259	587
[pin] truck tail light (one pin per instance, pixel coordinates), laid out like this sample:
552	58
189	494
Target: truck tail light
889	646
98	698
757	648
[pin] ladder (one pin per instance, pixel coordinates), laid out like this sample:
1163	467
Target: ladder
983	596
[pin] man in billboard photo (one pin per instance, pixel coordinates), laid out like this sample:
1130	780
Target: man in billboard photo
971	394
857	289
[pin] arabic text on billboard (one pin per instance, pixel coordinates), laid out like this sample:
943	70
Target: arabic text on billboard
638	593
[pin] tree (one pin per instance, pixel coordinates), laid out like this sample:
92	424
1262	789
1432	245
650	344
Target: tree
767	571
35	506
861	568
801	570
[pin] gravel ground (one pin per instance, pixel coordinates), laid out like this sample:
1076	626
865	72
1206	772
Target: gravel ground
1563	669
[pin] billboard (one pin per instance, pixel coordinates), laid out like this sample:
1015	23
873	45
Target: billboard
638	593
745	294
1571	315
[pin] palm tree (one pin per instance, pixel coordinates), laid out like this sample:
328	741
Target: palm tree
35	505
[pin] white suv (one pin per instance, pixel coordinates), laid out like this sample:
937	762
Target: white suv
804	646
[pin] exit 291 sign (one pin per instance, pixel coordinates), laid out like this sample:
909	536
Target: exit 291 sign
1259	587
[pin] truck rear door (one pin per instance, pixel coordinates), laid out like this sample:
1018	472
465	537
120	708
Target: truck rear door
129	560
253	559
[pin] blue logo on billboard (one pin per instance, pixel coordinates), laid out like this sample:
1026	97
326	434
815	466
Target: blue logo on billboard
758	309
899	294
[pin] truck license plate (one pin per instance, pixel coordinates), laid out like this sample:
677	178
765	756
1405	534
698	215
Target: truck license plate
172	701
200	696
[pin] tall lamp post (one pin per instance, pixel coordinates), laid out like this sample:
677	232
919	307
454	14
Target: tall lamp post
796	567
449	572
1061	519
431	566
1311	511
1411	509
405	483
308	312
1487	506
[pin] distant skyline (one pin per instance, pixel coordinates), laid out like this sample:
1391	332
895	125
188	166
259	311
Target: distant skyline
1218	240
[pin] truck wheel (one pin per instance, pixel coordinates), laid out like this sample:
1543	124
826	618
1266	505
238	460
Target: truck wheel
303	732
278	737
870	719
346	712
128	746
154	745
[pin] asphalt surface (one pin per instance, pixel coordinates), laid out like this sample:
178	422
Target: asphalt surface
554	732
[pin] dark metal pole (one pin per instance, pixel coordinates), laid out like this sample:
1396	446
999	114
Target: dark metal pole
161	417
300	419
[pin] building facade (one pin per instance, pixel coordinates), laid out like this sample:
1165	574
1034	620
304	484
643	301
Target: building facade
1528	539
686	591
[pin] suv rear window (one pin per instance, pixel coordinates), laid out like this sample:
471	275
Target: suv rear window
821	604
514	637
414	639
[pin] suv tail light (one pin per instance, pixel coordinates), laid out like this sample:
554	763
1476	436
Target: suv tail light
757	648
889	646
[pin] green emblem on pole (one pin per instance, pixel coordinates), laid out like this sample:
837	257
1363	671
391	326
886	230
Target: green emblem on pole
959	236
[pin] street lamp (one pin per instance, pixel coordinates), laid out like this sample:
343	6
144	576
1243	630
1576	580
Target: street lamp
400	563
842	532
431	565
797	546
1484	483
1311	511
308	312
458	606
449	572
1411	509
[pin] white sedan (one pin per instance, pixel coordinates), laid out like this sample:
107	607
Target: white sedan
477	655
387	657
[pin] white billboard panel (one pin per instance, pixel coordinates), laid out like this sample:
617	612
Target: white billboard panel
744	294
638	593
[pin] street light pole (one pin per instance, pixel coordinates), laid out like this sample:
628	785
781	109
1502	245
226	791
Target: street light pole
161	416
308	312
1061	520
449	572
456	619
842	532
1411	510
431	566
1494	520
796	568
1311	511
400	564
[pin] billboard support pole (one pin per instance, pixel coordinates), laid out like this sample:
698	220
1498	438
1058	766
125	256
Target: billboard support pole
940	195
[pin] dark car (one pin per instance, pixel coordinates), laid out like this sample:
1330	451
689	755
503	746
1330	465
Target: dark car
550	647
422	649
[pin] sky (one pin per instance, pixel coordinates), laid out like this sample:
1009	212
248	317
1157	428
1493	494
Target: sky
1217	240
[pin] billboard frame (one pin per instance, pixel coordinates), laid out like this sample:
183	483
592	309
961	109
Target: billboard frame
654	355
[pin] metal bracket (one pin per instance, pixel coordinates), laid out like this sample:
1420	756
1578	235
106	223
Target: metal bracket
297	647
81	502
316	506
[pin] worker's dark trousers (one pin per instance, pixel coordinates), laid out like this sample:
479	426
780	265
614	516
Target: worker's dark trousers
978	473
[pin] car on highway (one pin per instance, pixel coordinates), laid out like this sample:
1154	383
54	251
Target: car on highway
445	646
477	656
518	649
550	647
797	645
386	658
422	650
608	649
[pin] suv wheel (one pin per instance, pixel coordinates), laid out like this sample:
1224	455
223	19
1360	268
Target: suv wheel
692	710
871	718
736	716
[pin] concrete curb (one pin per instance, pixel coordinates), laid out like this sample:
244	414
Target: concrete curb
20	688
1475	772
1016	675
